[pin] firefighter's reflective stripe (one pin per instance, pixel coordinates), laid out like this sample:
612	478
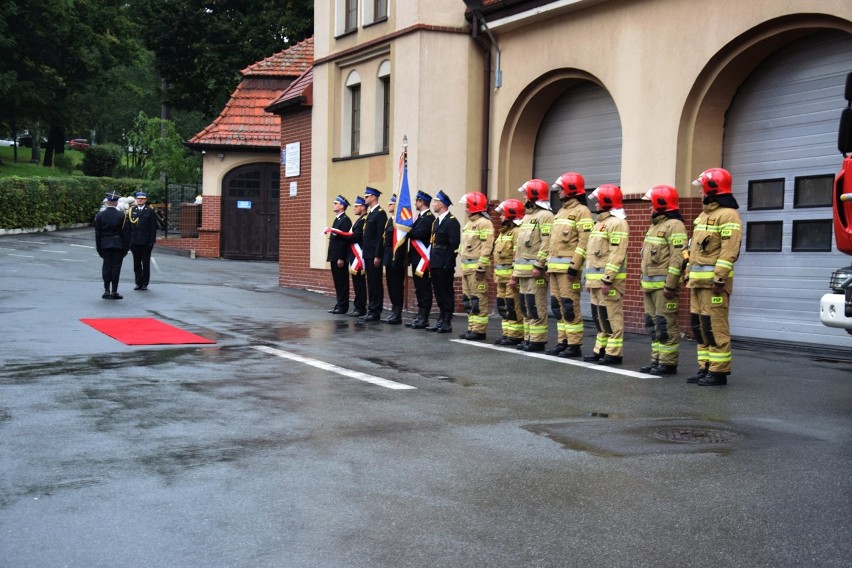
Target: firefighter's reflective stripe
469	263
524	265
597	273
558	262
706	271
653	282
503	269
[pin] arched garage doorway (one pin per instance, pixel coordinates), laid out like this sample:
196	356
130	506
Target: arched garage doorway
250	196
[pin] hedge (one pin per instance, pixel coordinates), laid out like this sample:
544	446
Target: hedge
38	202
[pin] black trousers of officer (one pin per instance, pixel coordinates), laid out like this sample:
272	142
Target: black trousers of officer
340	277
442	284
395	279
375	288
111	269
142	263
423	291
359	285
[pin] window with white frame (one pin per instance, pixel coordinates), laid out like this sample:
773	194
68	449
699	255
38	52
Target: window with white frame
352	115
383	99
375	11
350	15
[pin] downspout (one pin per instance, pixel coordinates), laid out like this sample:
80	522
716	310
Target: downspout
485	45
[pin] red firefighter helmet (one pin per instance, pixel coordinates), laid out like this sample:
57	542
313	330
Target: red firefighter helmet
608	196
536	190
571	183
662	197
476	202
715	181
512	209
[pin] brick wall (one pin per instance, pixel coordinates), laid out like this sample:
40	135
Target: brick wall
207	244
295	212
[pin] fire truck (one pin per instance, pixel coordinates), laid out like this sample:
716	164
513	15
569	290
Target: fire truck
835	308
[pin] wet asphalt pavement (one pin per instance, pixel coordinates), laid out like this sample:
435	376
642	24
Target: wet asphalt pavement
255	452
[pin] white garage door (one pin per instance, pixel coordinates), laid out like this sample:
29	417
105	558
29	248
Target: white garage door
781	149
581	132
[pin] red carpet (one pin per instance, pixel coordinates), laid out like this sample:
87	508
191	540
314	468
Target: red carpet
144	331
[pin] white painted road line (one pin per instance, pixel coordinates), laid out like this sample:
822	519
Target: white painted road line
56	251
552	359
21	255
82	246
334	368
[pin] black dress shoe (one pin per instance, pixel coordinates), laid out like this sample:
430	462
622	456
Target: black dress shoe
445	328
413	322
144	287
357	314
714	380
106	295
422	324
116	296
434	327
697	376
139	287
393	319
571	351
649	367
535	346
610	360
664	370
370	317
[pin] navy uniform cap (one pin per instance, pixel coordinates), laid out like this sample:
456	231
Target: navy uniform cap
342	200
360	201
372	191
423	196
141	194
442	197
112	196
393	198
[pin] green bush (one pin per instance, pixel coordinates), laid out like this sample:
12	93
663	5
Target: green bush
101	160
37	202
63	163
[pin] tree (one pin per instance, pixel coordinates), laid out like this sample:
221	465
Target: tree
161	152
201	45
54	50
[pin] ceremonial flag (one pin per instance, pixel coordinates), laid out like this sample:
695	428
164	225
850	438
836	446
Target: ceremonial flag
404	217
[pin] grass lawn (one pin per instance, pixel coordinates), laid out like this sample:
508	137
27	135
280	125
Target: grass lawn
23	168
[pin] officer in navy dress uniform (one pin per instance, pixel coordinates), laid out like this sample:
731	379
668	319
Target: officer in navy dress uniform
143	235
112	241
338	251
359	282
394	262
419	237
374	228
446	239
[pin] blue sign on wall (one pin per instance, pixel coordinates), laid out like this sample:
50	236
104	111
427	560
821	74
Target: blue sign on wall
243	204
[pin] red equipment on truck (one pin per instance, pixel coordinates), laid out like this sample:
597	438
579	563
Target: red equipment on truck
836	308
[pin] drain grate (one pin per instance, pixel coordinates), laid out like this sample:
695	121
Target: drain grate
695	435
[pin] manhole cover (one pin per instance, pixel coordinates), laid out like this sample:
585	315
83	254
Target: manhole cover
695	435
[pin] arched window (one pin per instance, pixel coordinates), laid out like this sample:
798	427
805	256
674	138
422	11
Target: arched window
352	115
383	98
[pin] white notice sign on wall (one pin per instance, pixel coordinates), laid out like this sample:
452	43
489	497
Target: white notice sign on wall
291	159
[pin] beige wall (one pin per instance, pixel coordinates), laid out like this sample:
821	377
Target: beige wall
671	67
431	89
213	169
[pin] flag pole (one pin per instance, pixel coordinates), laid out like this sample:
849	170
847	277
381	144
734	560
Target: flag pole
404	166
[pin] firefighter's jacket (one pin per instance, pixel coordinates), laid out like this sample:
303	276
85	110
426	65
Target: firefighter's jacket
504	251
607	251
716	238
662	254
533	242
476	244
569	238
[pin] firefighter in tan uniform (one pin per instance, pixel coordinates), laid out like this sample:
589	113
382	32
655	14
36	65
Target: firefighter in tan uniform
528	273
508	299
477	242
662	267
606	275
568	240
716	238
